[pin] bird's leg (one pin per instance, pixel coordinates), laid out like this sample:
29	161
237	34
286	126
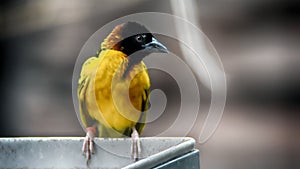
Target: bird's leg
135	144
88	143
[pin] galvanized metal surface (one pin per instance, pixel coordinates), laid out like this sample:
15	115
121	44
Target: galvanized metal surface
187	161
109	153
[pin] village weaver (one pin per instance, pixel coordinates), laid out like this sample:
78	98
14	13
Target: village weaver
113	88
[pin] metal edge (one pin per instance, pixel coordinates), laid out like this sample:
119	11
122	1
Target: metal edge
165	155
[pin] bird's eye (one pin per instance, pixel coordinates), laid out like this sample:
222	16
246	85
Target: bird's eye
139	38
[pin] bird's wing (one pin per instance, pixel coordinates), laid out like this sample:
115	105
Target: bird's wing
140	125
145	104
85	80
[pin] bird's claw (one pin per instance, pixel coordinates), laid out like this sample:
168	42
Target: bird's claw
135	145
88	143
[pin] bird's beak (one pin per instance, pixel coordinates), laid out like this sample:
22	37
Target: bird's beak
156	46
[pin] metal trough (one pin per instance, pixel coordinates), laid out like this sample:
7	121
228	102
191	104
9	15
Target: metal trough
65	152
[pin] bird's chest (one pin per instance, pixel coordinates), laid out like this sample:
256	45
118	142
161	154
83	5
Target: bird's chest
119	98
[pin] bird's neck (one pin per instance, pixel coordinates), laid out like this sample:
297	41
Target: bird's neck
130	66
119	62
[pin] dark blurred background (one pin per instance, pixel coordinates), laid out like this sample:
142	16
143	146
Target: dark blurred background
258	42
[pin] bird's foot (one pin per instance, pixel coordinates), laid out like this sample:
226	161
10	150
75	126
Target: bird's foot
135	145
88	143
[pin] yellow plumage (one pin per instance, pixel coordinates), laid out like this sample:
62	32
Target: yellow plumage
103	91
113	89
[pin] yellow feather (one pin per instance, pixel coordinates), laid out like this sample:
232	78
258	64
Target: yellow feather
102	78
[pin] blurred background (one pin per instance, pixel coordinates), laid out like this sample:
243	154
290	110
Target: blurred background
258	42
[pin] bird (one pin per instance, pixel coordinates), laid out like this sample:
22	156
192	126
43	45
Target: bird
114	85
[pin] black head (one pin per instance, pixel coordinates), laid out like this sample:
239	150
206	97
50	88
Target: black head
137	38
